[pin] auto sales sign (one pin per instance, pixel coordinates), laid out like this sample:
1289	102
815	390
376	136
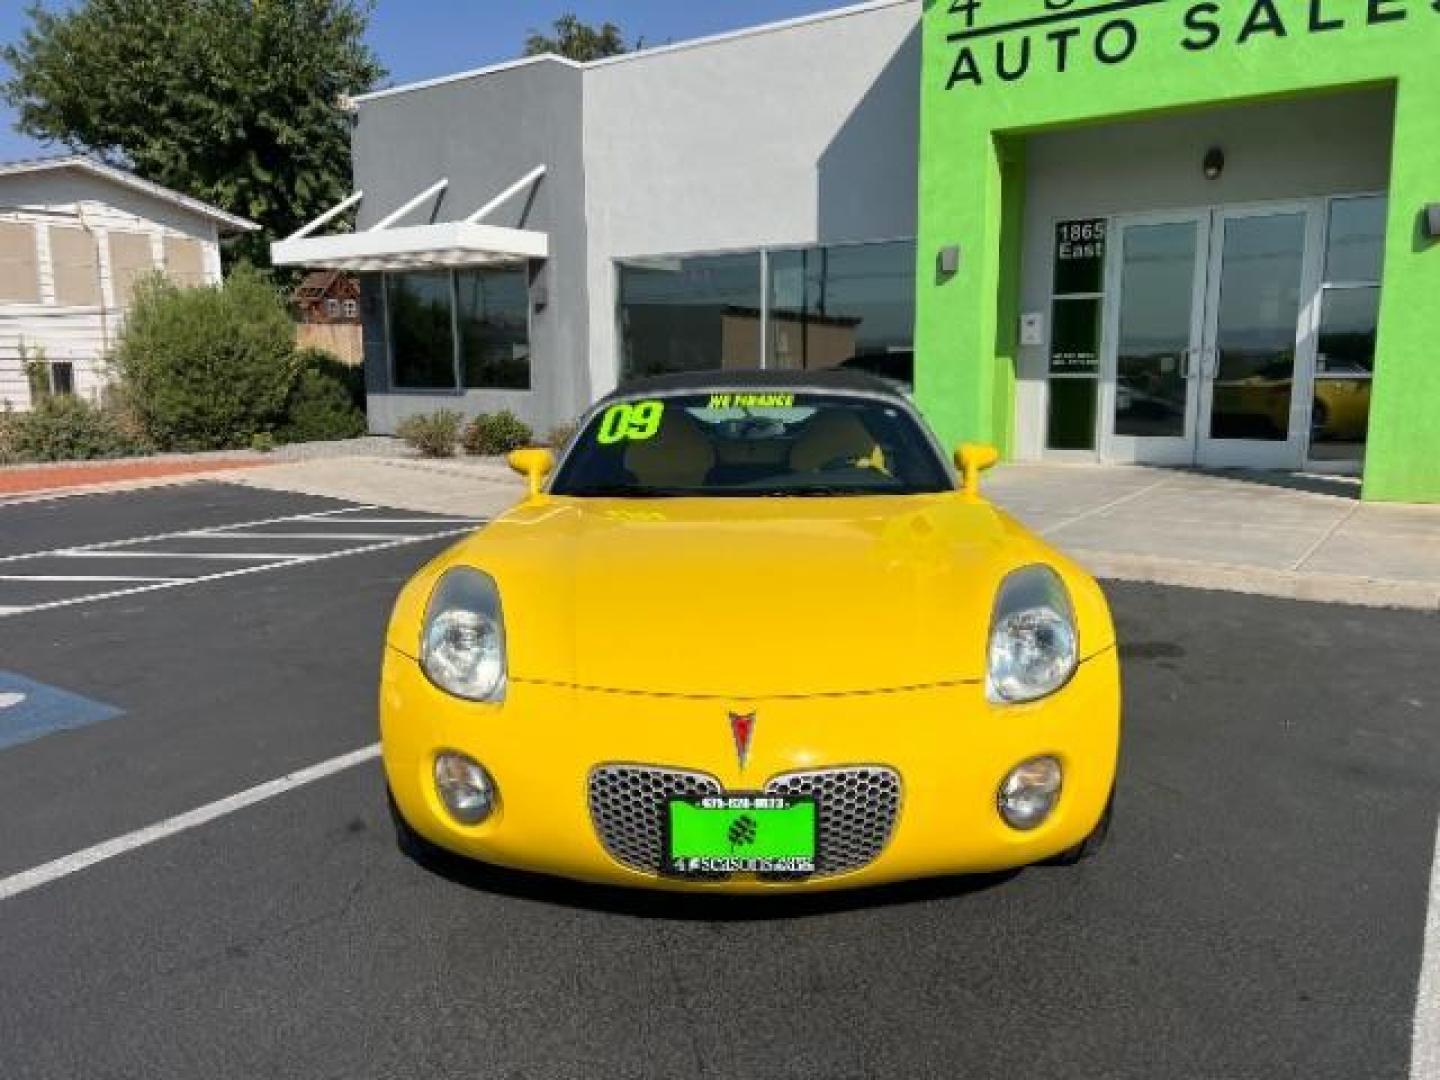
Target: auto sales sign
1004	41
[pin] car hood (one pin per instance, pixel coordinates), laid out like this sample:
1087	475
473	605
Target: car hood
745	599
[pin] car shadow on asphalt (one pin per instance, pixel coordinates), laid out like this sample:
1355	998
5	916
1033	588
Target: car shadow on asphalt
699	907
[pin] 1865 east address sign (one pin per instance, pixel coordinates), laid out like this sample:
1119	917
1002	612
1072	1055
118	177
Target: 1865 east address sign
1007	40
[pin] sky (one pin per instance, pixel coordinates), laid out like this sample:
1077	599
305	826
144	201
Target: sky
419	39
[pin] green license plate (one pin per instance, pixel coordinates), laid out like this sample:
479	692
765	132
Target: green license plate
740	834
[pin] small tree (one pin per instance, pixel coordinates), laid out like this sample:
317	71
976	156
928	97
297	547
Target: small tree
578	41
207	368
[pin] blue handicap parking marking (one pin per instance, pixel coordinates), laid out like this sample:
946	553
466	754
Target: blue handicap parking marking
30	710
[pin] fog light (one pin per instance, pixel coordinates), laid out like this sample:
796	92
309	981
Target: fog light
1029	793
464	787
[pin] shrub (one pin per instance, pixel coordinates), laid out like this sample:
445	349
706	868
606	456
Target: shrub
433	434
322	401
262	442
206	368
9	453
561	434
497	433
68	429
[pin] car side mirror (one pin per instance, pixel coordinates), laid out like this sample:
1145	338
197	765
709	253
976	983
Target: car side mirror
973	459
535	464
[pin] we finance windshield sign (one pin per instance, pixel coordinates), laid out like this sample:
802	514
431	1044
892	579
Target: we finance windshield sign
1004	41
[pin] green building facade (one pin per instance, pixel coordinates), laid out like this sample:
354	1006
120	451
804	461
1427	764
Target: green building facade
1185	233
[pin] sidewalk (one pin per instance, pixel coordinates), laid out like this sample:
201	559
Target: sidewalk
1278	534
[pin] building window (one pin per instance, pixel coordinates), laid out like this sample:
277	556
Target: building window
468	329
185	261
19	264
132	259
50	379
352	309
1078	293
689	314
422	330
824	307
494	315
1349	313
75	256
851	306
332	309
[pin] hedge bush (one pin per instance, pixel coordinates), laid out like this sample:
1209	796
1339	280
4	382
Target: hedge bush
207	368
67	428
322	403
433	434
493	434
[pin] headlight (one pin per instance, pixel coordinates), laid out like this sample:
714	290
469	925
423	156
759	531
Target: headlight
462	642
1033	648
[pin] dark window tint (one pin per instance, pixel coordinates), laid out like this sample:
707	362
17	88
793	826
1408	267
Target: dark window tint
494	317
752	444
422	339
690	314
850	306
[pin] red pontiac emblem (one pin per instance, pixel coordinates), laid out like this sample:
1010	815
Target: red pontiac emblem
742	726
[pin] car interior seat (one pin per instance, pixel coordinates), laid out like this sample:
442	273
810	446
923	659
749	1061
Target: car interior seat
834	438
679	456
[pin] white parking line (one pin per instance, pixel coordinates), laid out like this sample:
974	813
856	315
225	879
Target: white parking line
301	536
82	860
209	556
277	563
88	579
107	544
1425	1049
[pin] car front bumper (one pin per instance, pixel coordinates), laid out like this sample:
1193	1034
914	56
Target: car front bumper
949	746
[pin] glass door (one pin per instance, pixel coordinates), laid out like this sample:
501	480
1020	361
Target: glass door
1154	331
1256	357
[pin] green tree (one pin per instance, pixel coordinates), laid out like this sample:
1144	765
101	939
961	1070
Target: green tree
237	102
576	40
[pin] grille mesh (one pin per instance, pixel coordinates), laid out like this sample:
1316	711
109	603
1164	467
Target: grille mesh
627	805
857	810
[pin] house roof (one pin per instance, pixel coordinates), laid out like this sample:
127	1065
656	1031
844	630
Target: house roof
228	222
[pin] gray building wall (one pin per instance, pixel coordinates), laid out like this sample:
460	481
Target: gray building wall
1300	148
483	134
777	138
790	135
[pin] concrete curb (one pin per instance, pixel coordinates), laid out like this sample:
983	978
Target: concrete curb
1260	581
111	486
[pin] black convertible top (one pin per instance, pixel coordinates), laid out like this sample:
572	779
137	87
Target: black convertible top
816	381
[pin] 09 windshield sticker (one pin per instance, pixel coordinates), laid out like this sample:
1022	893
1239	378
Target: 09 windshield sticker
630	421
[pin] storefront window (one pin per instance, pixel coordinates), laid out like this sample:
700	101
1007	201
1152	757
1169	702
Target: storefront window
494	317
1349	316
690	314
851	306
422	340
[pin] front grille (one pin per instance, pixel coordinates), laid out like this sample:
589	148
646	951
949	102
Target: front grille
627	805
857	808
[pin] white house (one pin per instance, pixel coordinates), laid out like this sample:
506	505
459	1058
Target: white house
75	237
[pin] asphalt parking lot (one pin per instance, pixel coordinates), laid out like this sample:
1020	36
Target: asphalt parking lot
1260	910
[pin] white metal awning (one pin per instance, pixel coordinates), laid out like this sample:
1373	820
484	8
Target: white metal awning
442	245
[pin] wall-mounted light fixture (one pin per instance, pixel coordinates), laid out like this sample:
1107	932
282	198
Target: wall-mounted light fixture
1432	221
1214	163
947	263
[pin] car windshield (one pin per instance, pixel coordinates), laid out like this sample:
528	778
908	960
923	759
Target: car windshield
746	444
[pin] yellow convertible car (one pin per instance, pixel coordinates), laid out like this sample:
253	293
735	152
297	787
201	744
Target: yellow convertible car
752	633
